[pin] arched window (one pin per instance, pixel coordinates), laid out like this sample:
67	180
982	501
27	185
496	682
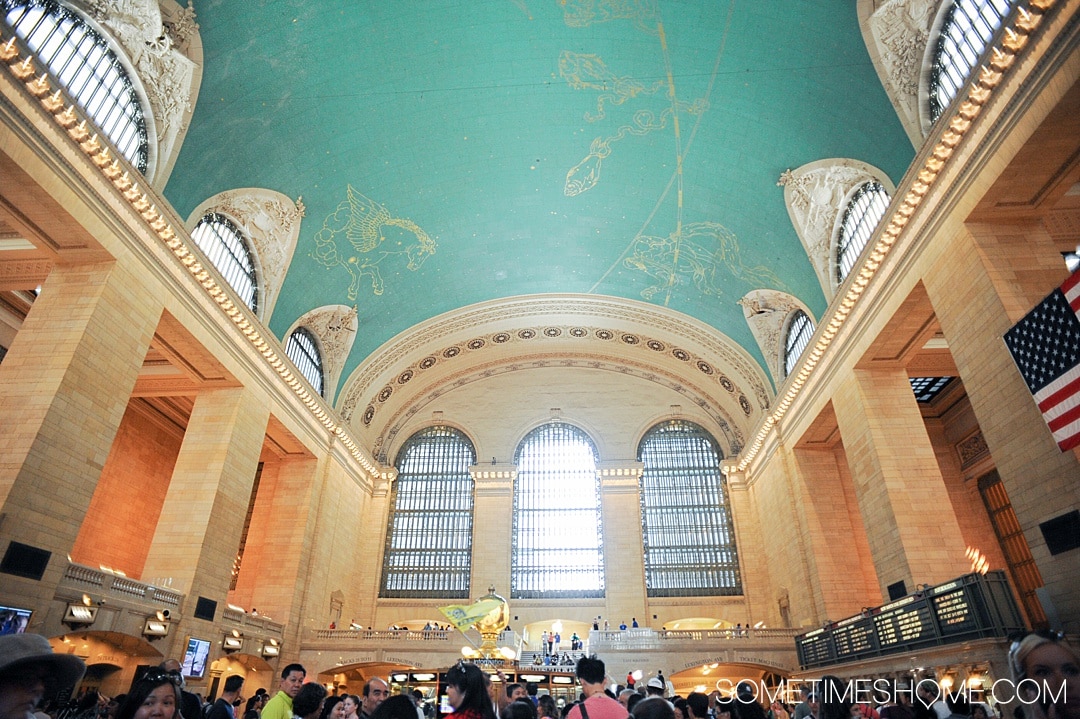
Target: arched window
685	519
966	30
82	62
861	217
557	546
429	537
303	349
224	245
800	329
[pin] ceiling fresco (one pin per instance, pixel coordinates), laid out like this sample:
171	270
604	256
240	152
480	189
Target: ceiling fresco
450	153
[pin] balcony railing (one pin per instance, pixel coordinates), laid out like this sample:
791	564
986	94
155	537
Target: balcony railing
109	584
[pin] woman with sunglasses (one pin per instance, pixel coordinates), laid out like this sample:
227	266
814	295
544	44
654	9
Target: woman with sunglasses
155	696
1046	674
467	692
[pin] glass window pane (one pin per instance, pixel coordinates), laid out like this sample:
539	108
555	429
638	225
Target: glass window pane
303	349
861	217
223	244
798	337
557	544
968	28
429	537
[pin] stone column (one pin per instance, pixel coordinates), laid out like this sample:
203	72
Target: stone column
199	530
493	526
624	570
912	532
64	386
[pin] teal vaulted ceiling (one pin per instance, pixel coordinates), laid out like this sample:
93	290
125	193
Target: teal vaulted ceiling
450	153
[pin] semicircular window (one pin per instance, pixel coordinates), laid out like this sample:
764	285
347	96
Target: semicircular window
303	349
800	329
685	517
861	217
967	29
82	62
557	550
224	245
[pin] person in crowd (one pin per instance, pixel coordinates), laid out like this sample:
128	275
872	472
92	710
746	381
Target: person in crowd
91	705
114	705
654	707
256	702
30	672
679	704
545	707
308	702
223	707
155	696
893	704
281	705
633	623
467	692
1054	665
376	691
802	709
515	691
697	705
959	708
190	705
978	711
929	705
831	700
624	697
654	687
633	702
747	704
350	706
332	708
401	706
591	674
519	709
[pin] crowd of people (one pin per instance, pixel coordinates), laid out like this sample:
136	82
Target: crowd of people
1045	671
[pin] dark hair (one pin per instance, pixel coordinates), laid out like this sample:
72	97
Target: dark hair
290	668
469	680
654	708
519	709
680	704
511	687
699	704
545	702
308	700
531	689
401	706
632	701
233	683
143	688
328	705
591	670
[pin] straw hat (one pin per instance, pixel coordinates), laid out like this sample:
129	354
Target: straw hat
20	650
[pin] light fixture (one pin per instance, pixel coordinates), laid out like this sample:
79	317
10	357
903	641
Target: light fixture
233	642
424	677
637	674
556	626
79	614
400	677
157	626
508	653
271	648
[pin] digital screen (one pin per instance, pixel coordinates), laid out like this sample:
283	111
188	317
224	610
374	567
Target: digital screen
14	620
195	656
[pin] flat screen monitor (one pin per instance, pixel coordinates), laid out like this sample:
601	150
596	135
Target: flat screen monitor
14	620
195	656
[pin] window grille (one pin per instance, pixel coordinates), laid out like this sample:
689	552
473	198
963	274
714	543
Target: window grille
861	218
557	538
238	560
927	388
685	518
799	332
429	538
303	350
967	29
224	245
80	60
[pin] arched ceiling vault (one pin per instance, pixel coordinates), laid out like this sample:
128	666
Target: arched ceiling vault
453	154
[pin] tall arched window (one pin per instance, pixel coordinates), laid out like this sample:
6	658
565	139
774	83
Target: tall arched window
303	349
429	538
91	74
685	519
800	330
224	245
557	545
967	29
861	217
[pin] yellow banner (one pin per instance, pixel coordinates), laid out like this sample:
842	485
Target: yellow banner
462	616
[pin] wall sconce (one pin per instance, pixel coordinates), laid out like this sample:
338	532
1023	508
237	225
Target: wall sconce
157	625
79	615
271	648
232	642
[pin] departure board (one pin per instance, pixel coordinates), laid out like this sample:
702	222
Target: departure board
815	648
908	623
854	639
954	612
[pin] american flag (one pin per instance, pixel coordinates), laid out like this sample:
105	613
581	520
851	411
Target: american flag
1045	345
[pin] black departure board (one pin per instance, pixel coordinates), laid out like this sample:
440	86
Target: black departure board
907	623
815	648
954	612
855	638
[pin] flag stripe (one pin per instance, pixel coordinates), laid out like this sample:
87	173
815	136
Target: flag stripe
1066	416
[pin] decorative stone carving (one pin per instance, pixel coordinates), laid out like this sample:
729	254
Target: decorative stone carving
272	222
900	30
158	52
765	312
335	327
815	195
